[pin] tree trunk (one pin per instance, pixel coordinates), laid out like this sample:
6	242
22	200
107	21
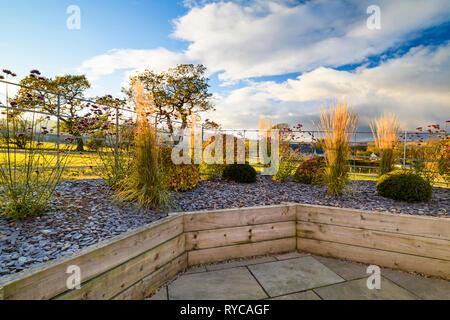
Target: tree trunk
80	144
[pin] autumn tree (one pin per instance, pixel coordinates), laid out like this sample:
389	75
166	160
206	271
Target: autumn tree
71	88
178	93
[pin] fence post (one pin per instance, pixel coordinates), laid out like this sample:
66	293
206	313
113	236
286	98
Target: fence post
404	150
245	151
202	138
58	130
117	137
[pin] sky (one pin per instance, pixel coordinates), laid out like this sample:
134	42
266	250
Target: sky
281	59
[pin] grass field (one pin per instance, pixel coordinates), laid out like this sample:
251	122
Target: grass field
91	160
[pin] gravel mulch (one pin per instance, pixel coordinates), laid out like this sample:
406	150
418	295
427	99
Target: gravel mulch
359	195
83	214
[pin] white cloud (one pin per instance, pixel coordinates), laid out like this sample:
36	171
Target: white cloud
245	39
269	38
259	38
414	86
159	59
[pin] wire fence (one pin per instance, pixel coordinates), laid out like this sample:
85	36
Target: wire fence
114	129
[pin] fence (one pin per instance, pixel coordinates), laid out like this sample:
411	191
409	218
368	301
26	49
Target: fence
116	118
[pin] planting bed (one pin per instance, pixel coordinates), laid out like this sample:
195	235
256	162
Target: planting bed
83	214
134	264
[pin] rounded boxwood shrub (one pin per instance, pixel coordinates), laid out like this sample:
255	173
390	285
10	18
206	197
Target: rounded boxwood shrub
310	171
406	186
239	173
179	177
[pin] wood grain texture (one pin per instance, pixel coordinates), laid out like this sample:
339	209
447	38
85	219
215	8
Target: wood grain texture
152	282
239	235
389	241
226	218
49	279
398	223
116	280
394	260
218	254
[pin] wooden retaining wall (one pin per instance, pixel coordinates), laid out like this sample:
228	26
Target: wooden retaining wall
136	263
405	242
107	268
239	233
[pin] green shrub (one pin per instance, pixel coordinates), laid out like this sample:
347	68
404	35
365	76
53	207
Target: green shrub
211	171
239	173
284	171
179	177
14	131
25	187
406	186
311	171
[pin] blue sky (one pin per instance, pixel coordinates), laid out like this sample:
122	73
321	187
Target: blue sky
281	59
34	33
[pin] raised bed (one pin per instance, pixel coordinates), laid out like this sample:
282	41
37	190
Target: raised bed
134	264
405	242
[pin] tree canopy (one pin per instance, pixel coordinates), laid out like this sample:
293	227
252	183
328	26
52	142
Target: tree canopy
178	93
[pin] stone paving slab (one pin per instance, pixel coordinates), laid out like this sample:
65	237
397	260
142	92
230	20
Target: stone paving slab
228	284
425	288
306	295
357	290
195	269
348	270
294	275
297	276
239	263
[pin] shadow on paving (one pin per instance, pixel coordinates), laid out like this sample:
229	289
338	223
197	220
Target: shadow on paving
297	276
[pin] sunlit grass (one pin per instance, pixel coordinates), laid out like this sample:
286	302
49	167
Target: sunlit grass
385	134
337	126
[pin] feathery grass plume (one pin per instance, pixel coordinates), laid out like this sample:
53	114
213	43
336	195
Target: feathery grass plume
337	129
145	184
385	134
265	126
264	144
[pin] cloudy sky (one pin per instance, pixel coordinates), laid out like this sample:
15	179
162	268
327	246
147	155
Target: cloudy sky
282	59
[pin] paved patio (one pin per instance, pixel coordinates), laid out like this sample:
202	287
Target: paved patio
297	276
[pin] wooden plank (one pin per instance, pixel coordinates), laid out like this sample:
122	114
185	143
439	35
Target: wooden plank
237	217
241	251
48	280
394	260
239	235
152	282
399	223
396	242
116	280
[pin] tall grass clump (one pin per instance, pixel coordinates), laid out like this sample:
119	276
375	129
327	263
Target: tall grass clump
385	134
144	183
28	179
114	164
337	127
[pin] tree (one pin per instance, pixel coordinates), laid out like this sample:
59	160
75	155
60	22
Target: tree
178	93
71	88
